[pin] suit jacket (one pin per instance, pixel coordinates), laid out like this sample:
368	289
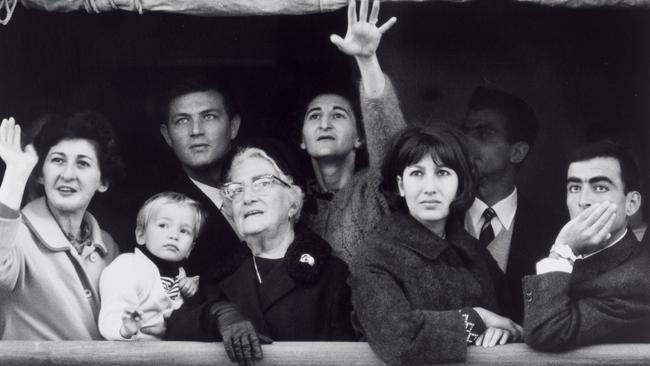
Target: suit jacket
533	234
218	240
408	286
605	300
296	301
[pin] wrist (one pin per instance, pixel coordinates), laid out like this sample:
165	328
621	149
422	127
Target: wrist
564	251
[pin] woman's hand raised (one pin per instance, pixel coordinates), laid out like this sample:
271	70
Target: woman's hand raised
11	151
19	162
363	36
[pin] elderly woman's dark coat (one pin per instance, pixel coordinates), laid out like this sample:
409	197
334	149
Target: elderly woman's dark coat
408	286
306	298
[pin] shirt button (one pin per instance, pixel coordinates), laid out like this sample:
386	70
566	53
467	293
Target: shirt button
87	293
93	257
529	293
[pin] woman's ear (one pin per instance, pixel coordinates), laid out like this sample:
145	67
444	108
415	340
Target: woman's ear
358	143
302	145
400	185
104	186
39	179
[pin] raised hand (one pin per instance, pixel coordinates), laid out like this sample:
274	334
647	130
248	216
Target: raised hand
11	151
363	36
590	230
188	286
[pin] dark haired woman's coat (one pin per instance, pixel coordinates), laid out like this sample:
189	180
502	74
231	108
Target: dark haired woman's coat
408	286
296	302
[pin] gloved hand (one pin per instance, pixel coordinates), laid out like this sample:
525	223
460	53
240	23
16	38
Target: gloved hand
240	339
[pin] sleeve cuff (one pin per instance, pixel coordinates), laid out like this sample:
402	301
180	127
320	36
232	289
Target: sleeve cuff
474	325
7	212
548	264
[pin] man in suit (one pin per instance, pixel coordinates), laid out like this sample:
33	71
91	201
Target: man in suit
201	123
501	129
594	286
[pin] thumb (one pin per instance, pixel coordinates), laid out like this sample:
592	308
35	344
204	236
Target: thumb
336	40
30	149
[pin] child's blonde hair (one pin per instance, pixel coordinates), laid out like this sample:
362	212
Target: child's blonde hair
165	198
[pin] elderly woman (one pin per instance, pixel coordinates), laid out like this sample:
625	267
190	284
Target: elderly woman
345	200
422	286
287	284
53	251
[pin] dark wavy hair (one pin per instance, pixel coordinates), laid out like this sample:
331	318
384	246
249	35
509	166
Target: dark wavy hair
446	146
87	125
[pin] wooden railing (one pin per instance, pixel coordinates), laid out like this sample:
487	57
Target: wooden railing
291	353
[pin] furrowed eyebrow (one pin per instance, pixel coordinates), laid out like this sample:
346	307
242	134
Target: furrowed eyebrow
573	180
314	109
337	108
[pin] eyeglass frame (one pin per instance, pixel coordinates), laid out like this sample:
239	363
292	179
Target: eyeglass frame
272	177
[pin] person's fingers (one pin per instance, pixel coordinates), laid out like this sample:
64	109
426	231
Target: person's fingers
256	347
604	231
227	343
352	13
264	339
519	332
596	210
374	13
246	349
16	137
337	41
496	336
487	335
363	11
386	26
3	130
237	348
479	339
504	338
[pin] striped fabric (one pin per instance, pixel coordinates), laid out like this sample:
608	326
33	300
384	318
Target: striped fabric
170	285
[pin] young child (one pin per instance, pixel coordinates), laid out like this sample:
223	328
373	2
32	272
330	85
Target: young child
140	290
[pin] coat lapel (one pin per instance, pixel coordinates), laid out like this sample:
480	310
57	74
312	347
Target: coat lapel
277	284
241	288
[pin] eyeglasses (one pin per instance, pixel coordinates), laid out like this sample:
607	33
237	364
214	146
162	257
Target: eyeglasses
261	185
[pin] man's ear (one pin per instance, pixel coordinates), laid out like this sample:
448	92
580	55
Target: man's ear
235	122
139	235
165	134
518	152
400	185
632	202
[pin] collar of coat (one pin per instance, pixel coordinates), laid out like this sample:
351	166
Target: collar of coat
304	260
415	236
39	219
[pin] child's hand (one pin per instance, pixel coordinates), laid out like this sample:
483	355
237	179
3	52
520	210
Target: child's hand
131	322
188	286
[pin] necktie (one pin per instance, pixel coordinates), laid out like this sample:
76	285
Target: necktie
487	233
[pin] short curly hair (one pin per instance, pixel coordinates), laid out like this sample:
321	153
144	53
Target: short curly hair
87	125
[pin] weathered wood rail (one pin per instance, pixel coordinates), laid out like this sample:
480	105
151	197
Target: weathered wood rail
291	353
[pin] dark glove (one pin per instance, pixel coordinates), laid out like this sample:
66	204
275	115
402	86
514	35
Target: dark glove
240	339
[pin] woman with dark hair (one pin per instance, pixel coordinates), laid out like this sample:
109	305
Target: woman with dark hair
422	286
53	251
345	200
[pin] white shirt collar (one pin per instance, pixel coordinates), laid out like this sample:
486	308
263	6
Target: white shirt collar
214	194
505	210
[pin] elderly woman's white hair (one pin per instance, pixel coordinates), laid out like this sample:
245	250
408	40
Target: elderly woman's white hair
295	192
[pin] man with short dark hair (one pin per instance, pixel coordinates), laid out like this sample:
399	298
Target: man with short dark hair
594	286
201	122
501	129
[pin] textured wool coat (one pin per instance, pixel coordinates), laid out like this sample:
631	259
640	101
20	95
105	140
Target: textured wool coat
408	285
606	299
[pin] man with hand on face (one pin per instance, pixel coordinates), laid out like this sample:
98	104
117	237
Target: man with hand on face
501	129
594	286
201	122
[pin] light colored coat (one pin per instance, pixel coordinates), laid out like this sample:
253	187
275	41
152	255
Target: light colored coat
133	281
47	290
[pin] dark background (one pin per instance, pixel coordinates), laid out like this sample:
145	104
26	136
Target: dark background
585	71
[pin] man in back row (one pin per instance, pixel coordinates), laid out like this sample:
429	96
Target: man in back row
501	130
594	286
201	123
